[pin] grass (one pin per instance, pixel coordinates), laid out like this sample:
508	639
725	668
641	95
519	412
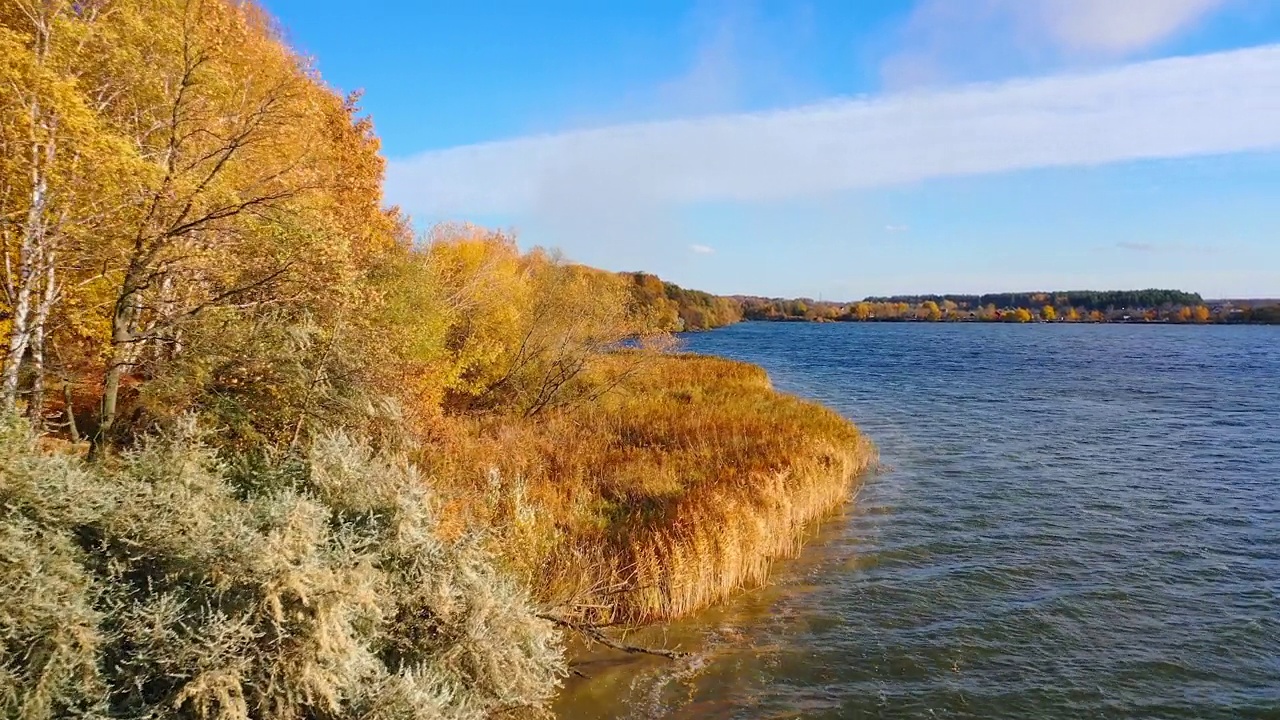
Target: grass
663	496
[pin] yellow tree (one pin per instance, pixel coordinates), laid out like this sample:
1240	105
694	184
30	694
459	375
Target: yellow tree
225	120
51	139
650	293
337	340
172	175
521	331
1048	313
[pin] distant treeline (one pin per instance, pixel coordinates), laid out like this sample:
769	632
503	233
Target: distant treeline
678	309
1080	299
674	308
1258	315
1089	306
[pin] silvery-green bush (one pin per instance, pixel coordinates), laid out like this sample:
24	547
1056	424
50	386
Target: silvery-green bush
165	584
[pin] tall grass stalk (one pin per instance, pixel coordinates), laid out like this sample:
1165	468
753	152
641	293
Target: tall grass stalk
681	485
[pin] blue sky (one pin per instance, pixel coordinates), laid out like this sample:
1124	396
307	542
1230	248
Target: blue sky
836	149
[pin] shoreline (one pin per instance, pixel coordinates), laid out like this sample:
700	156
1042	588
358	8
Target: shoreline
916	321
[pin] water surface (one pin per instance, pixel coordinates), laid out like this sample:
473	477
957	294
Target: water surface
1073	522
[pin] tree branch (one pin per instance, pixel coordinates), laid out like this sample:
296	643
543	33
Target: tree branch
593	633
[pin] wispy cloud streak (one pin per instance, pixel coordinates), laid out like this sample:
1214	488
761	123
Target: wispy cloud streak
1209	104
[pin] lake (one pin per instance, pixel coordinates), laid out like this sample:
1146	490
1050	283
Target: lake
1072	521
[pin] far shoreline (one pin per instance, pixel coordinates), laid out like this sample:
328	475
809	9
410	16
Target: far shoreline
915	321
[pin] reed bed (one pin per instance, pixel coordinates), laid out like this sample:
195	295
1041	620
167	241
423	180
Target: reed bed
679	486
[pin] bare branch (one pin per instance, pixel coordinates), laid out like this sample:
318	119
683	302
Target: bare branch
594	634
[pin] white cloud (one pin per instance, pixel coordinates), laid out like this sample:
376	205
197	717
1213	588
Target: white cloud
946	39
1112	26
1209	104
702	249
896	228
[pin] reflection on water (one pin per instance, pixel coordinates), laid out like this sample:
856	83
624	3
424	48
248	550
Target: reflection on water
1073	522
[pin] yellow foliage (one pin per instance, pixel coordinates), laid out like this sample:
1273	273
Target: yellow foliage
518	331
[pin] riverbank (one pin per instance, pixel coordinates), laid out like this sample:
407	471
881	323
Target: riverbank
181	575
267	452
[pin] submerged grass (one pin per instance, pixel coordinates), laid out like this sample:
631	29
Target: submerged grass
679	486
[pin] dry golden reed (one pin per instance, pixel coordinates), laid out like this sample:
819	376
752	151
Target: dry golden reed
678	486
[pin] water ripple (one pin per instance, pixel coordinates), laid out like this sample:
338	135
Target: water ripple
1074	522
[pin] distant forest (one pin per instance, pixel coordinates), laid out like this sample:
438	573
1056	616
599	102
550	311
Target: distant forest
1080	299
681	309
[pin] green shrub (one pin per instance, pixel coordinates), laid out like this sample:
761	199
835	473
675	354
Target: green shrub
164	584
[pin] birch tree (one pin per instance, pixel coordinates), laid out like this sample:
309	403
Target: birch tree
221	108
49	137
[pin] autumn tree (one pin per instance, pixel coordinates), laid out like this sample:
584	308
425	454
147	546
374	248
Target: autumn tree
521	331
181	203
652	296
251	177
60	168
1048	313
217	133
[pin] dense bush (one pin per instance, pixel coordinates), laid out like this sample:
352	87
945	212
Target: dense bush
169	585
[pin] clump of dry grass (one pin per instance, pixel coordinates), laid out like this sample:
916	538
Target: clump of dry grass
168	585
679	486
